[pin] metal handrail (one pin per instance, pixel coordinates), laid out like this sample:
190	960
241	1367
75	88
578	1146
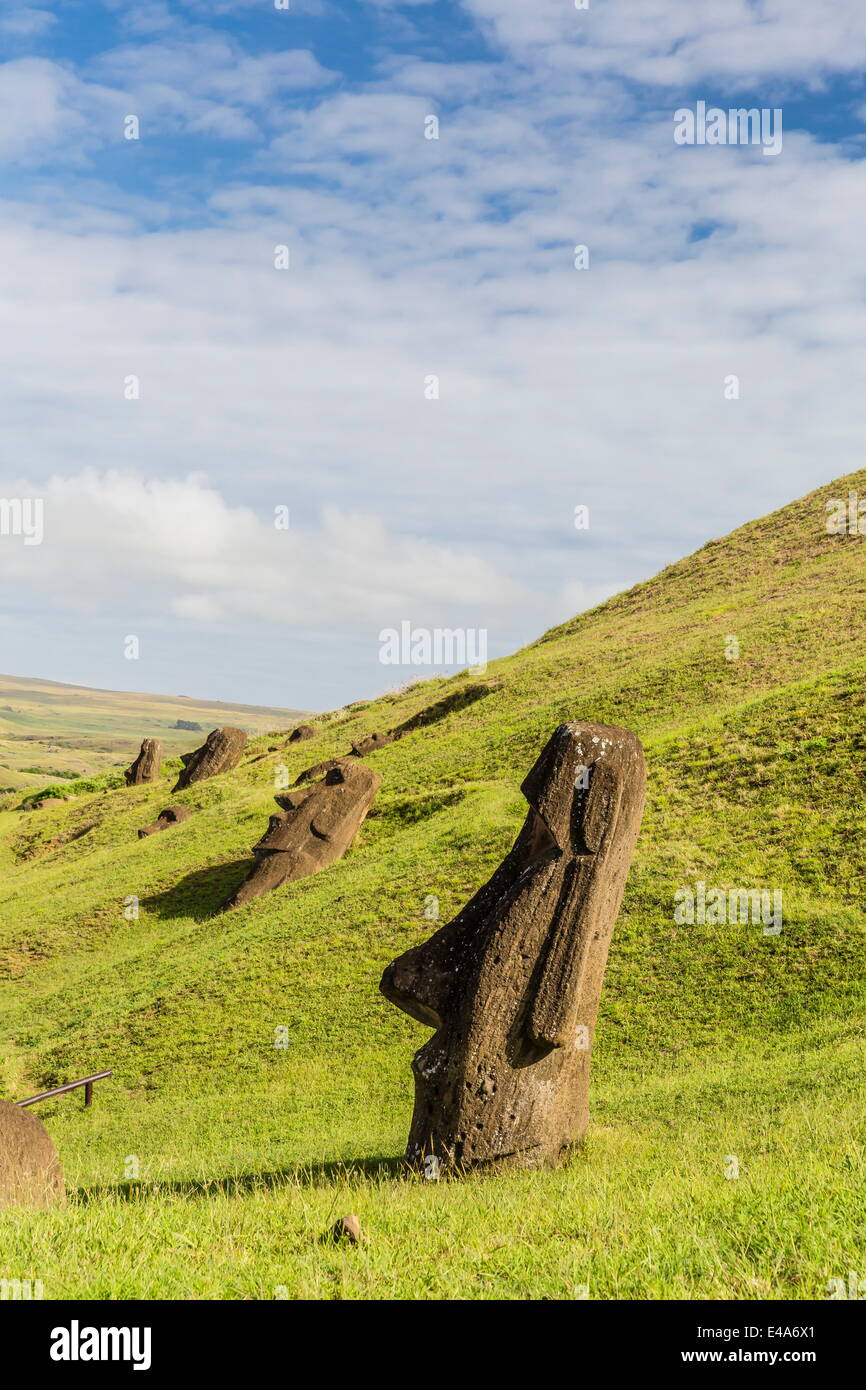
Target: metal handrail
86	1082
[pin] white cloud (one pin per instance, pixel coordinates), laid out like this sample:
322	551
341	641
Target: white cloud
26	22
409	258
673	41
179	541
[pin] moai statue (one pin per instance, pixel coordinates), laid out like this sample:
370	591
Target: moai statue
370	743
512	984
30	1171
302	732
318	825
147	764
172	815
221	752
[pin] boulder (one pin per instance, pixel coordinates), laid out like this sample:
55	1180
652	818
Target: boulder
147	765
30	1171
317	826
512	985
172	815
221	751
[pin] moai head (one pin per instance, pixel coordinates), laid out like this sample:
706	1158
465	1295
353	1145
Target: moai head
512	984
172	815
221	752
316	827
147	765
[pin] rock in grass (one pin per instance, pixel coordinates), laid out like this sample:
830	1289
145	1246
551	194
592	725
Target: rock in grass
348	1228
30	1171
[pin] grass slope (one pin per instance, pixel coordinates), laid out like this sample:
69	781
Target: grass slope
50	732
214	1161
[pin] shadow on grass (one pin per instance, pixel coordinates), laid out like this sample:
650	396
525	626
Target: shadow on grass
382	1168
200	894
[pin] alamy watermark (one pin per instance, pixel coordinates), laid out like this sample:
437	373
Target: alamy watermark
718	906
739	126
23	516
438	646
846	515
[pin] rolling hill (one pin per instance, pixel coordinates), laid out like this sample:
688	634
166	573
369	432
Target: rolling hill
727	1141
50	732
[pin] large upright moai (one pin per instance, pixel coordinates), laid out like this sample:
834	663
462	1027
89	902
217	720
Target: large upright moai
512	984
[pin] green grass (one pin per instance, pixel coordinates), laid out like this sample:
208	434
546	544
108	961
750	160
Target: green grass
50	732
713	1042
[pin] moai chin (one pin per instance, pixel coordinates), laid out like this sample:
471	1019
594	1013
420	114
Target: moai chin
512	984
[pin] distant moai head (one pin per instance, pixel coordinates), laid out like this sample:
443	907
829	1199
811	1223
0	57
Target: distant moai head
512	984
370	743
146	767
172	815
303	731
30	1171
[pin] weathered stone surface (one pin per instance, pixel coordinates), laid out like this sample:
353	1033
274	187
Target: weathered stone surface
30	1171
303	731
221	751
370	743
316	828
512	984
172	815
147	765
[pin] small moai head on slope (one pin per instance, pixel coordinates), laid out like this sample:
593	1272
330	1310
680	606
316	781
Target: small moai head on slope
221	751
146	767
512	984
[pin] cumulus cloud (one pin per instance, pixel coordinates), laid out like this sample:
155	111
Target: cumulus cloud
180	542
666	42
413	260
26	22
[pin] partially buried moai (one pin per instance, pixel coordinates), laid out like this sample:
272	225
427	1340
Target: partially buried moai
147	765
221	751
317	826
512	984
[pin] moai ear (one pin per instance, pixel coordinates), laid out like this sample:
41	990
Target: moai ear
587	905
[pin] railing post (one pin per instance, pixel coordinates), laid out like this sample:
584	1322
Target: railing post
88	1093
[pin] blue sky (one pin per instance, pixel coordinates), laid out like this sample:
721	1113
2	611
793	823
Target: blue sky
261	388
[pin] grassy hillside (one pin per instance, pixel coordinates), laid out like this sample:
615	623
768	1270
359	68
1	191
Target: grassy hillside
214	1161
50	733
